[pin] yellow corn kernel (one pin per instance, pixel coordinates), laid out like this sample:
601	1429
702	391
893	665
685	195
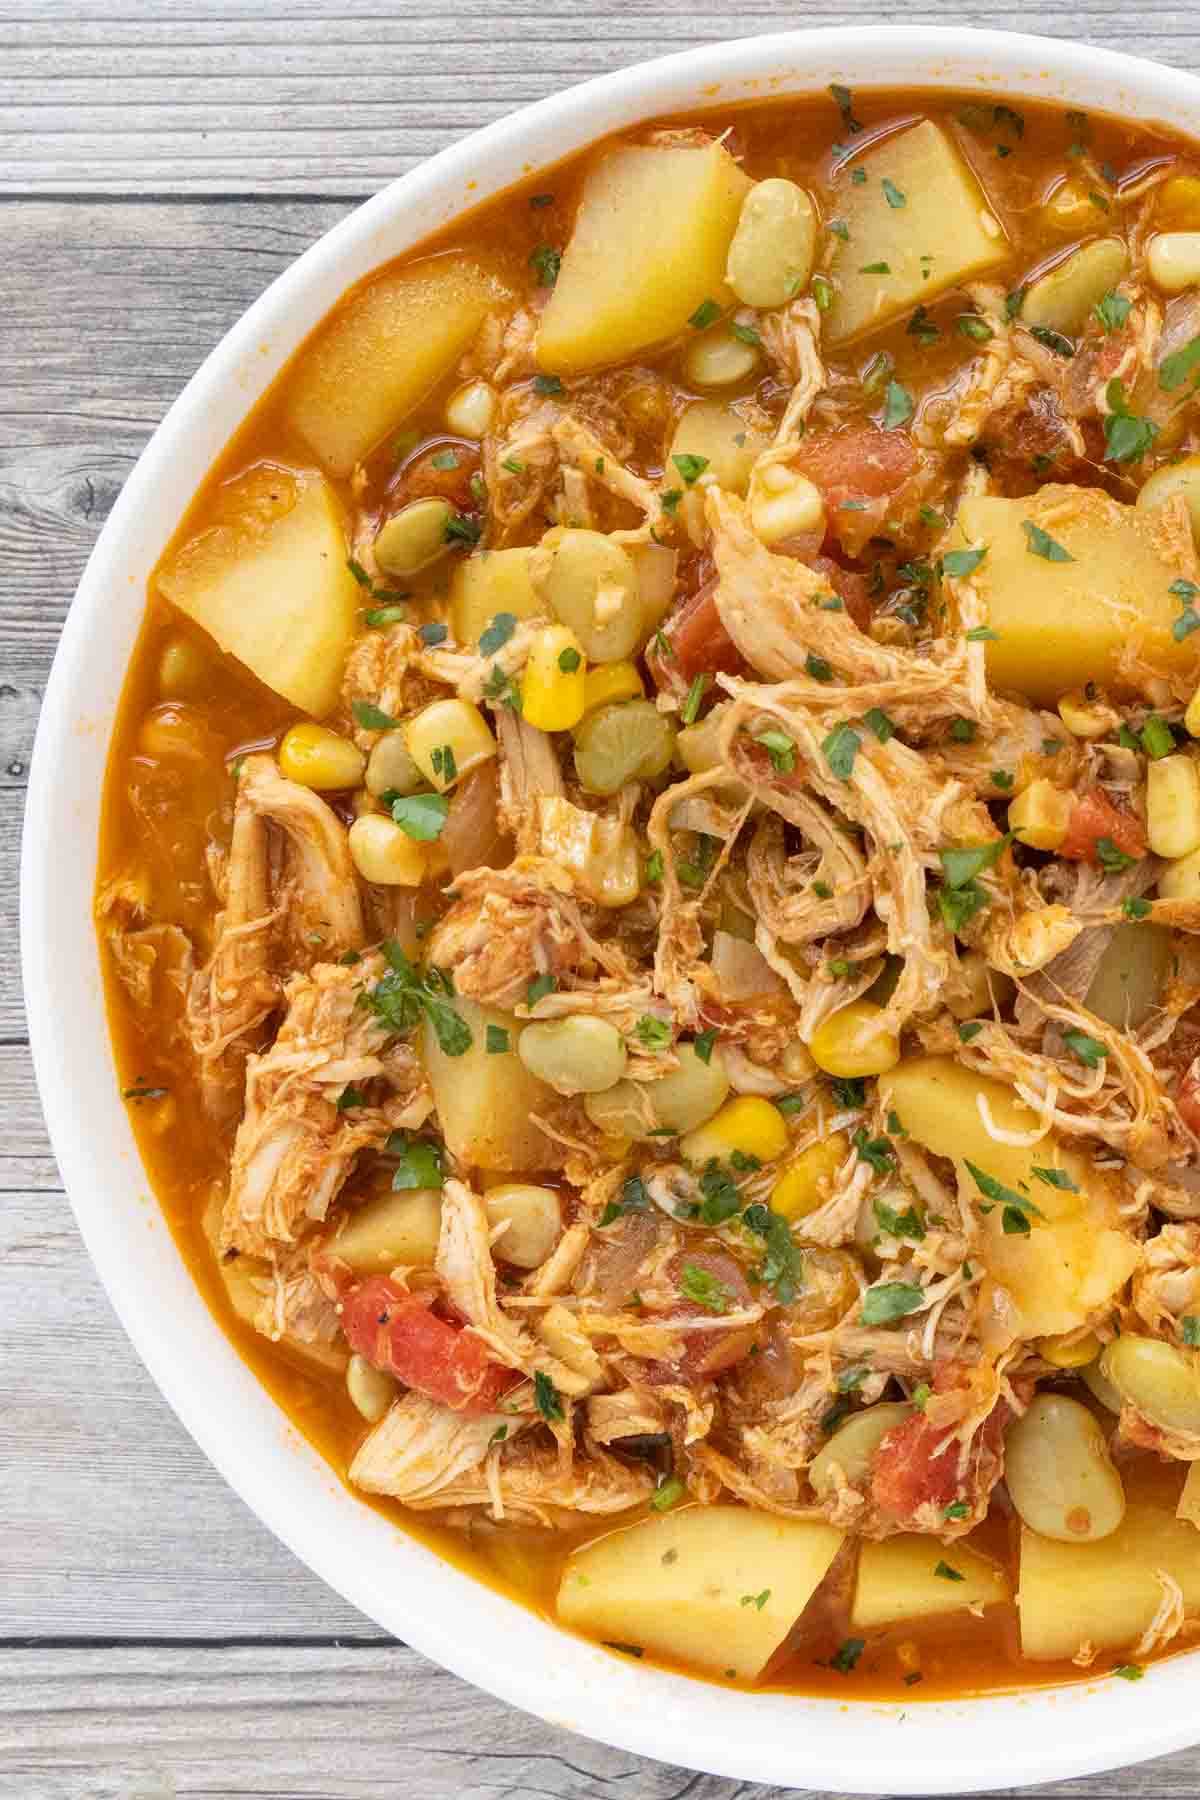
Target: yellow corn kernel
611	683
1086	718
853	1042
784	504
804	1184
1181	880
1039	817
748	1126
471	409
552	687
1179	203
1173	806
1072	1352
320	759
600	854
453	726
384	854
1173	260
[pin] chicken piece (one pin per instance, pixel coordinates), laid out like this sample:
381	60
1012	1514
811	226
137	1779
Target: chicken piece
633	1413
529	772
419	1448
298	1312
532	1485
386	669
992	383
294	1148
1166	1287
142	950
314	905
786	889
771	608
505	928
464	1263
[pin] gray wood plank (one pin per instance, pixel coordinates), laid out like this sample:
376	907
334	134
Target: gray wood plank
245	96
191	1723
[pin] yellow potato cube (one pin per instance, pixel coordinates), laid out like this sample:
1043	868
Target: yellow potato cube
485	1101
898	1579
1076	1256
895	257
384	349
1097	594
1103	1593
647	250
719	1587
489	583
269	581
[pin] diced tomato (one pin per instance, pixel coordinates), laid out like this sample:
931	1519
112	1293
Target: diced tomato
862	463
1093	817
1188	1098
850	584
917	1462
444	468
707	1353
699	643
398	1333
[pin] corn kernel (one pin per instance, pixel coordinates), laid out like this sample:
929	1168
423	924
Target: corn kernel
1179	203
1173	260
1173	806
804	1184
384	854
448	739
785	505
553	685
471	409
600	854
979	987
611	683
853	1042
747	1126
1086	718
320	759
1039	817
1070	1353
1181	880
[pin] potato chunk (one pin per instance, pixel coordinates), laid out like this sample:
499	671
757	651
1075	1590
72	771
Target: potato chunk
1104	1593
719	1587
1061	623
920	223
648	247
1075	1258
269	581
898	1579
489	583
382	352
484	1100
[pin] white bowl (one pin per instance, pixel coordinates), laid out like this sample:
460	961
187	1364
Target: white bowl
930	1748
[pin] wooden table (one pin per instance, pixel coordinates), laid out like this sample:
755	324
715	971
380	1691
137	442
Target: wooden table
160	163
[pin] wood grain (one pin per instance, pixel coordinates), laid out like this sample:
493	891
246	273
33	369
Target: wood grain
238	96
160	162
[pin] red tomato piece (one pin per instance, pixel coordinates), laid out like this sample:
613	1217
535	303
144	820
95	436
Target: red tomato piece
863	463
917	1463
1095	816
1188	1098
398	1333
707	1353
699	643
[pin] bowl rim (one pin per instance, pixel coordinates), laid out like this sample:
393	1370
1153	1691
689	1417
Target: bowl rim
948	1746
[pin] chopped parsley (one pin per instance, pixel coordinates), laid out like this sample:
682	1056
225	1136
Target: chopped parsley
634	1199
372	718
1017	1207
877	721
538	988
654	1033
1189	1329
899	408
350	1097
906	1224
690	467
706	314
960	563
875	1152
497	633
1127	436
419	1164
547	385
403	996
667	1494
1056	1178
1129	1671
1112	858
892	194
1112	310
1175	369
421	816
778	745
703	1289
972	326
781	1269
1052	340
845	105
890	1301
1040	543
845	1657
695	694
547	1397
840	749
497	1040
1136	908
960	867
1090	1051
1158	739
948	1573
545	263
